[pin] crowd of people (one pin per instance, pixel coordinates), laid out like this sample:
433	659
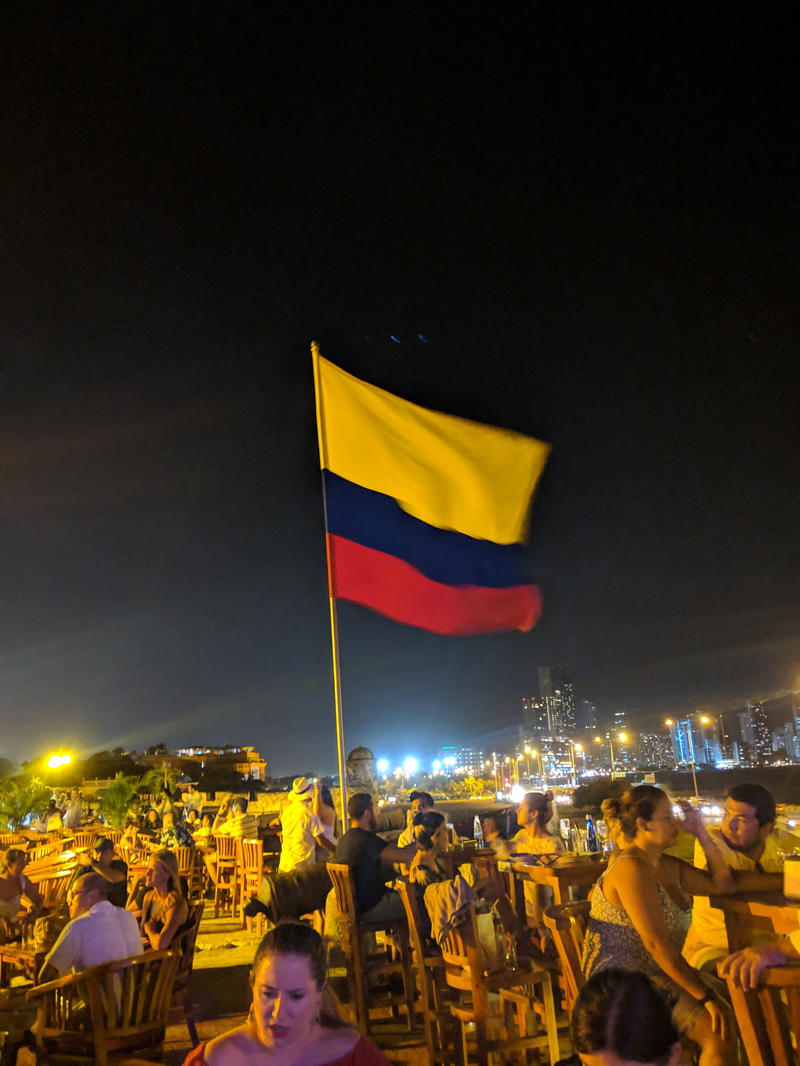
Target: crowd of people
652	937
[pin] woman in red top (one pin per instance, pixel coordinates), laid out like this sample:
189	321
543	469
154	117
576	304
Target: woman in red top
293	1016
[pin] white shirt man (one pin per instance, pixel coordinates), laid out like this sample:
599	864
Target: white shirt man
746	842
302	831
98	932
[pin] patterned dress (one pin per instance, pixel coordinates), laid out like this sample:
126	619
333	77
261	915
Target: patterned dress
612	940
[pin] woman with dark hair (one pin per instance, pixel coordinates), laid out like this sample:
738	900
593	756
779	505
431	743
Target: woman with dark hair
621	1017
430	833
322	806
293	1015
640	914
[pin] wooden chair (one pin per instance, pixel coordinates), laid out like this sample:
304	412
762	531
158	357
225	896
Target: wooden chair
182	988
438	1022
83	840
54	886
106	1013
10	840
514	1028
250	870
114	835
394	960
769	1017
567	923
226	886
190	868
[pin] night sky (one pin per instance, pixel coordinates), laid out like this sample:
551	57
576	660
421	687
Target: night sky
579	222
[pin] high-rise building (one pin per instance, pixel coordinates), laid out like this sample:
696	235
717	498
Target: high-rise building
534	716
470	760
655	749
586	715
762	736
557	693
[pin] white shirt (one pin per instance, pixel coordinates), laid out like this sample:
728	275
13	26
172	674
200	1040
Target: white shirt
73	814
299	827
104	933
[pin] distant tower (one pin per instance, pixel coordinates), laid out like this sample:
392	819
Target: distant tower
760	725
557	693
534	716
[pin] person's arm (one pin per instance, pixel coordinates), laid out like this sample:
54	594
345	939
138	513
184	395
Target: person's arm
223	809
636	886
61	956
31	890
323	842
391	853
173	920
746	966
111	875
717	880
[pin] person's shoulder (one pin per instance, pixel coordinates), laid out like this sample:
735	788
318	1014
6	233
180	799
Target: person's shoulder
225	1050
366	1053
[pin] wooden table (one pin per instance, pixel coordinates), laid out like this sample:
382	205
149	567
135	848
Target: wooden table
746	912
562	878
28	959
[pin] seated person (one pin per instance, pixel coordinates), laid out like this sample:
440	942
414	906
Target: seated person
202	834
151	826
493	835
622	1018
640	914
165	909
291	967
238	824
371	859
13	886
420	801
174	833
534	813
193	820
98	932
747	844
101	860
130	834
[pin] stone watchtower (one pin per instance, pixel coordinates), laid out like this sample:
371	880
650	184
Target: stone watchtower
361	773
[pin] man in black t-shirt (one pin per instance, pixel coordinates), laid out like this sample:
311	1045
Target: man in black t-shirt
101	861
371	859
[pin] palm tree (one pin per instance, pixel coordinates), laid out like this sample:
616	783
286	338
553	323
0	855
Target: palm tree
118	799
19	797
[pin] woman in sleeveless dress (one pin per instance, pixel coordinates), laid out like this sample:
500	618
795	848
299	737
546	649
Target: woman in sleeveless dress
293	1016
640	915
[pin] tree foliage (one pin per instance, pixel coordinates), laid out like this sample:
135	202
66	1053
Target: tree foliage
20	797
593	794
119	799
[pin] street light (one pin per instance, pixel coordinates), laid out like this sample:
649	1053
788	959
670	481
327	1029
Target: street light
621	737
55	761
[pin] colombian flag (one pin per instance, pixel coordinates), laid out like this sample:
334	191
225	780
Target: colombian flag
426	512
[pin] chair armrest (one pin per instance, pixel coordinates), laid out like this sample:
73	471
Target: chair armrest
60	982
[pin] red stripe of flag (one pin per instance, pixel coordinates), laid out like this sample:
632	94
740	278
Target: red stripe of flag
399	591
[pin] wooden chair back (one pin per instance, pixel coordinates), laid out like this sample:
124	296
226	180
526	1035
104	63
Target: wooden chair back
226	848
769	1017
117	1009
83	840
250	870
43	851
10	840
567	923
114	835
185	946
341	876
53	888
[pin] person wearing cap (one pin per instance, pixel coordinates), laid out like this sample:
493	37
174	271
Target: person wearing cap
98	932
100	860
165	909
302	830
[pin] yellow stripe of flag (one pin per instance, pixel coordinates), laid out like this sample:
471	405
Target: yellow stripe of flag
446	471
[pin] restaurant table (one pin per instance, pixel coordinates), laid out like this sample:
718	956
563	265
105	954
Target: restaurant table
749	911
28	960
566	874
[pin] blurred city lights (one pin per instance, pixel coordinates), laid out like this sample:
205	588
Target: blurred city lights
59	760
410	765
382	766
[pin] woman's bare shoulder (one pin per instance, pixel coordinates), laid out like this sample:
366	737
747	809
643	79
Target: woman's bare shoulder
231	1048
332	1044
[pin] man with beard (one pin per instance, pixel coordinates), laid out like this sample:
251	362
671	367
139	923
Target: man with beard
371	859
748	846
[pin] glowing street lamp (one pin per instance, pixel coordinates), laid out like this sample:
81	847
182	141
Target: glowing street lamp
56	761
382	766
621	737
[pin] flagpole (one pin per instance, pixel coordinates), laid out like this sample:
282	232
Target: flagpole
334	618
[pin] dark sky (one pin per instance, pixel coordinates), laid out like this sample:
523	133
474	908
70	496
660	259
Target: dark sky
590	212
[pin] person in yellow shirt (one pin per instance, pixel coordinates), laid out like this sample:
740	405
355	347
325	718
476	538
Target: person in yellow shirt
749	848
